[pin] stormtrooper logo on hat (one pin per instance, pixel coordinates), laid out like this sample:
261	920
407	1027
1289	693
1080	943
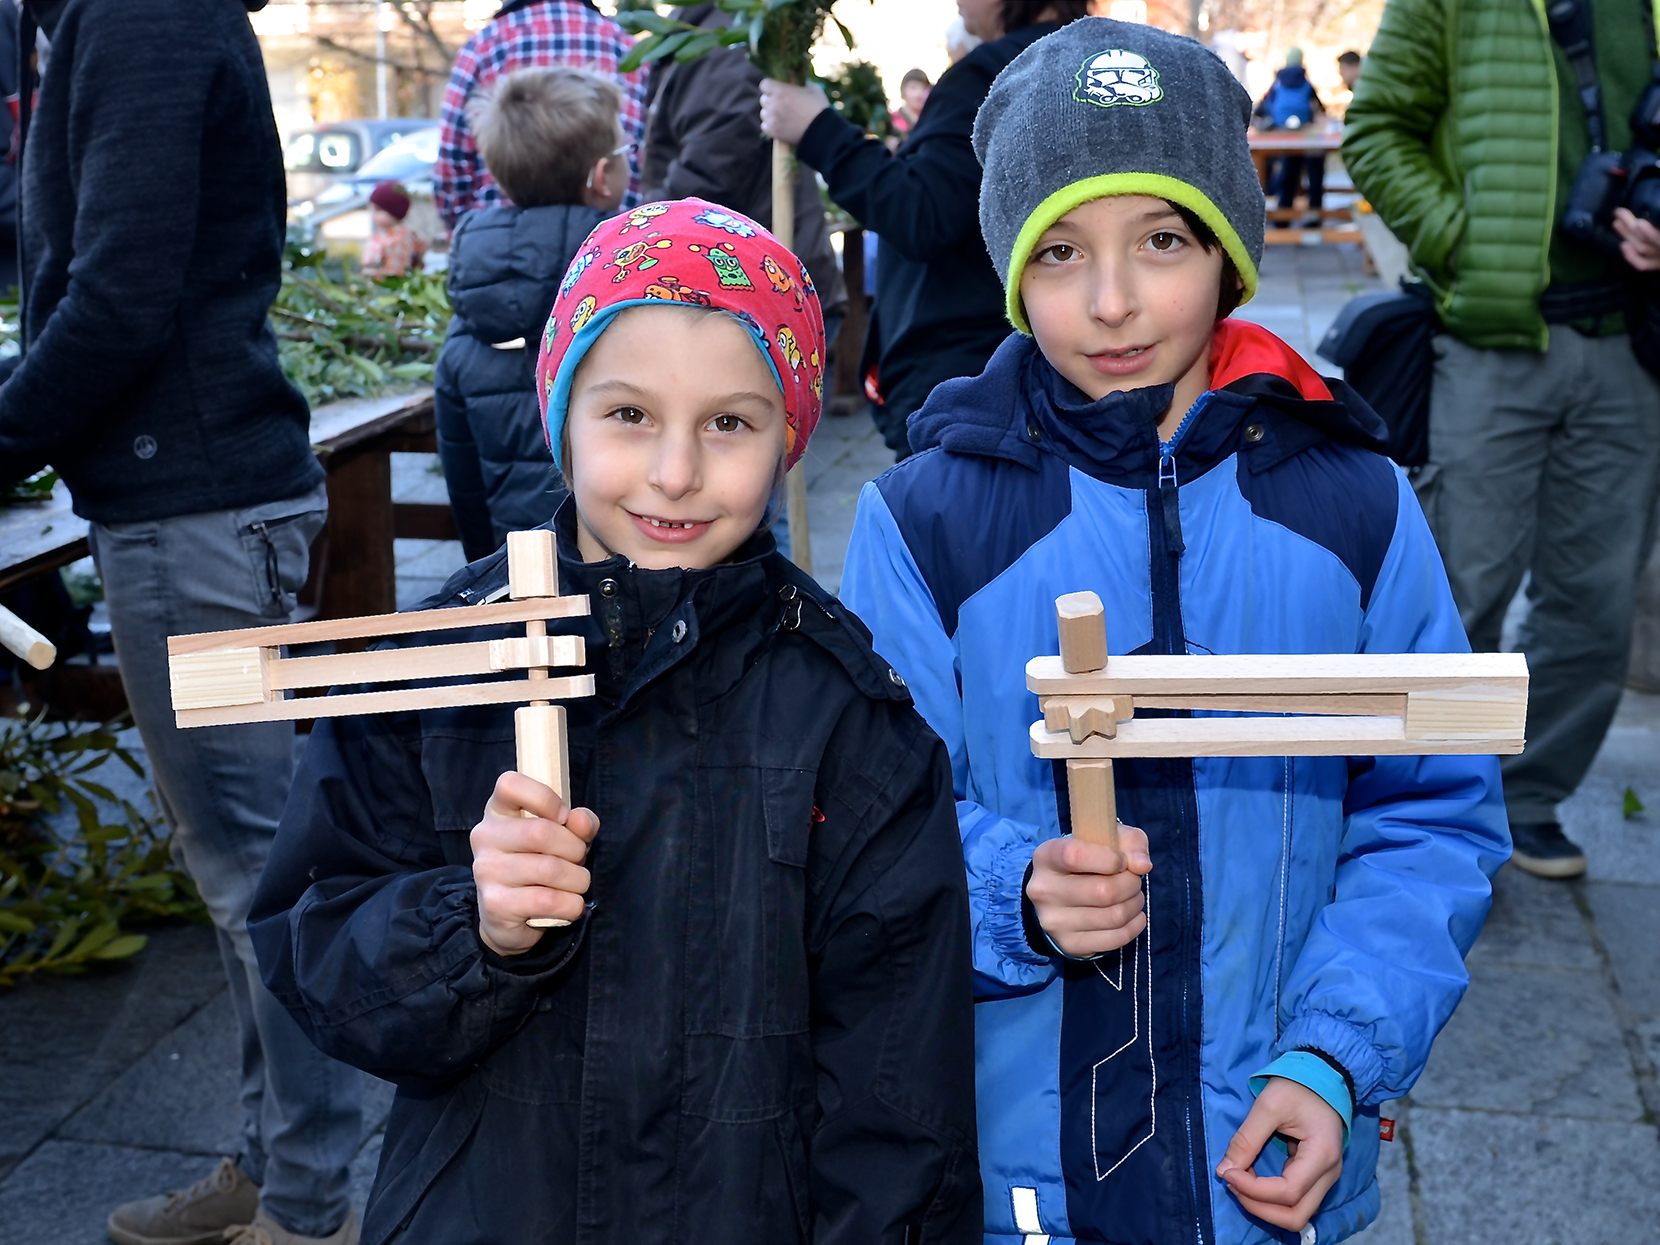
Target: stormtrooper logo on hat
1115	77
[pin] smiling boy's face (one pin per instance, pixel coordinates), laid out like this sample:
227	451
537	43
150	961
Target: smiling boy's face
1121	295
675	439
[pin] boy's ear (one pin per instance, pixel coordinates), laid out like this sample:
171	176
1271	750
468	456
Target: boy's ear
597	190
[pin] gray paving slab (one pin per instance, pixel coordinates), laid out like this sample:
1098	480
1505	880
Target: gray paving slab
1491	1179
1533	924
1627	920
1533	1041
63	1193
180	1094
1619	849
67	1039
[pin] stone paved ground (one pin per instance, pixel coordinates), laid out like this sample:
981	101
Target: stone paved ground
1534	1124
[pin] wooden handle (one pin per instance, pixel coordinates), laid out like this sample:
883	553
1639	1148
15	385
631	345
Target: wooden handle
1094	803
544	754
25	641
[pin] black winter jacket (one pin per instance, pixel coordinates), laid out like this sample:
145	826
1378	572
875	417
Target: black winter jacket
152	225
939	304
505	267
761	1031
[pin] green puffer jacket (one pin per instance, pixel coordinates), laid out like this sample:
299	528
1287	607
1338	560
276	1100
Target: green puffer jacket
1452	137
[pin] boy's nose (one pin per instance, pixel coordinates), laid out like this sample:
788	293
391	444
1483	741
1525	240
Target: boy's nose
1112	296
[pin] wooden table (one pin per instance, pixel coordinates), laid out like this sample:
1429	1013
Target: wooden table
352	565
1316	142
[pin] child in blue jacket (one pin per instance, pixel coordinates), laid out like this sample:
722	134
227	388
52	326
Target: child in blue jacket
1277	952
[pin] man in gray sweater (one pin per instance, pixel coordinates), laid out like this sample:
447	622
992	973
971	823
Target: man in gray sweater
152	226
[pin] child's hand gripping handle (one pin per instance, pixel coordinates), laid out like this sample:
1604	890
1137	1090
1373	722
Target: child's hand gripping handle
1081	621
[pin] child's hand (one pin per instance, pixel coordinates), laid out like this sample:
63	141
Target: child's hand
528	866
1087	895
1313	1134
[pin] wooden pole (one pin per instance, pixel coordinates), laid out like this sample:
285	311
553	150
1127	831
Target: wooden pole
783	228
25	641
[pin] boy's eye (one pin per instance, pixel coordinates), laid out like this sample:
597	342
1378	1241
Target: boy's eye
1058	252
1164	240
727	423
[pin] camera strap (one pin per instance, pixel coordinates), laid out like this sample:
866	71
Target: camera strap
1574	31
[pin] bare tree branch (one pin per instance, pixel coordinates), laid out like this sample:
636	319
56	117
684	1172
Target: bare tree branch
346	49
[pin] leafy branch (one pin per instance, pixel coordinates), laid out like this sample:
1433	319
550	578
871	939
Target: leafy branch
79	865
780	34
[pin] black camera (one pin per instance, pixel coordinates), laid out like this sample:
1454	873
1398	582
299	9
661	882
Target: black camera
1616	179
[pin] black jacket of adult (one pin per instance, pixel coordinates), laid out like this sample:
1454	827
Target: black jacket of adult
761	1031
704	141
939	304
505	267
152	209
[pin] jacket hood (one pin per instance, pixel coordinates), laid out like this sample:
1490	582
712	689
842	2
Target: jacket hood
506	264
1020	402
1292	76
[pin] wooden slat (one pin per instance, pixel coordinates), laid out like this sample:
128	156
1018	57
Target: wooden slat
431	661
1327	703
414	698
377	625
1298	736
1279	674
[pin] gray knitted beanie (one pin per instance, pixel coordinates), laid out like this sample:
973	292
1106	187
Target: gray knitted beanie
1103	108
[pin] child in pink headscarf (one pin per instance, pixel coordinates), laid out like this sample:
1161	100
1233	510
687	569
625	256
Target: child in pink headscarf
757	1025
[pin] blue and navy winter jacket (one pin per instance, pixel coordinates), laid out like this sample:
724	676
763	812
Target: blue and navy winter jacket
1310	902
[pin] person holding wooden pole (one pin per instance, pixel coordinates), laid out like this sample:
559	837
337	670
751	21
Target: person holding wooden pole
1291	930
750	1015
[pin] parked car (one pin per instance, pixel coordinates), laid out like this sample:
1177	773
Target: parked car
338	215
317	157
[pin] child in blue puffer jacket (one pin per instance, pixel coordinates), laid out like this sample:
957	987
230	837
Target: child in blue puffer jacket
552	140
1274	956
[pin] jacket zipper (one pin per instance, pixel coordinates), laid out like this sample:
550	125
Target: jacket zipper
1168	545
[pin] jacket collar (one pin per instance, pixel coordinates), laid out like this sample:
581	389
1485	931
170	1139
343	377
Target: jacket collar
1020	408
643	623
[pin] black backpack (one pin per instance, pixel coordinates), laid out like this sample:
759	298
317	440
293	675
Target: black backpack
1382	342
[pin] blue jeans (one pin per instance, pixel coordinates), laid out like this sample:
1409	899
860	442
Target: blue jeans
222	790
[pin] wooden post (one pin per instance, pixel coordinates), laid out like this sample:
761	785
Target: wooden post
783	228
25	641
1082	623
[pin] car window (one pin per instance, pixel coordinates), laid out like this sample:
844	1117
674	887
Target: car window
337	151
413	156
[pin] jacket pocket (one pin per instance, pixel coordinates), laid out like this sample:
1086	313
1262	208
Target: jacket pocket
747	918
276	538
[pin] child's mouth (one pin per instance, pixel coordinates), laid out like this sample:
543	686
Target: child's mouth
1121	362
669	531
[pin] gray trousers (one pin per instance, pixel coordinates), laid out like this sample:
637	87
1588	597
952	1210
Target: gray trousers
1547	466
222	790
